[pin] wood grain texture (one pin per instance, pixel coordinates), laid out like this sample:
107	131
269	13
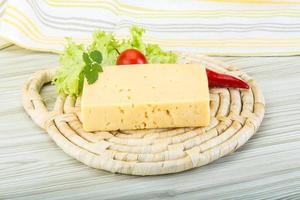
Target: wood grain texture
268	166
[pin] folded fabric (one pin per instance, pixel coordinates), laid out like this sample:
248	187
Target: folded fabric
213	27
4	44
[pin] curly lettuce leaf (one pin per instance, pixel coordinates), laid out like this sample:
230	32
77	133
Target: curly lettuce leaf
155	54
69	77
136	39
107	44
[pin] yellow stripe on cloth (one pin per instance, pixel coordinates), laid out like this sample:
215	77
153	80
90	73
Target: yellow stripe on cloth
162	13
30	30
257	1
231	31
4	43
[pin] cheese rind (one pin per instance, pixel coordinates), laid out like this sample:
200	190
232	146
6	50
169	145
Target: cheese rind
146	96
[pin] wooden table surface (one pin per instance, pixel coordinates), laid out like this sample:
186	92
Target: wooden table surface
268	166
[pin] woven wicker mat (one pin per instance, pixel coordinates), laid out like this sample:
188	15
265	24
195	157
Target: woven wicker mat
235	117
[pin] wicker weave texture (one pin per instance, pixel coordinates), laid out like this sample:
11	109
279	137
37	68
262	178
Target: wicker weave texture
235	117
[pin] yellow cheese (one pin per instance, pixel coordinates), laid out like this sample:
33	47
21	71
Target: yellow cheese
146	96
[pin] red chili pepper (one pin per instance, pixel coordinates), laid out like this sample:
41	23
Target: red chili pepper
216	79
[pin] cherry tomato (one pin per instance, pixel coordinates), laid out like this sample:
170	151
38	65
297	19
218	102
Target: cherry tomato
131	56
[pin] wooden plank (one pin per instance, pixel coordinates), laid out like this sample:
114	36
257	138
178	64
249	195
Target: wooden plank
268	166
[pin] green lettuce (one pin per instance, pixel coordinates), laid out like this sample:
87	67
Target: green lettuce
155	54
136	39
107	44
69	77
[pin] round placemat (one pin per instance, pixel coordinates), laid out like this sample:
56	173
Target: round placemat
235	117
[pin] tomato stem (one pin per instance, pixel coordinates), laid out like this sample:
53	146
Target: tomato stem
117	51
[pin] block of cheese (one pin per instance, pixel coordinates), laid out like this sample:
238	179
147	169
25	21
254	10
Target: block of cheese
127	97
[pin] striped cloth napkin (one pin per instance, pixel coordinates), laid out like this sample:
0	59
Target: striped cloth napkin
213	27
